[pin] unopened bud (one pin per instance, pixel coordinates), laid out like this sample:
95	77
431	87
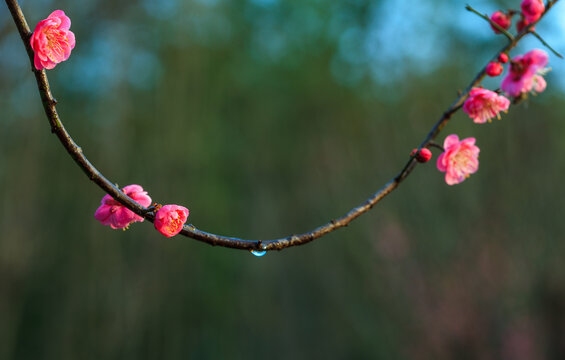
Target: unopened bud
501	19
494	69
422	156
522	23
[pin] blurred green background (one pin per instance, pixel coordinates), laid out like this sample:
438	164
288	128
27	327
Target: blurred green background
265	118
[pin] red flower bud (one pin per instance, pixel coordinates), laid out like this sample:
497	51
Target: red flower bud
522	23
422	156
503	58
502	19
532	9
494	69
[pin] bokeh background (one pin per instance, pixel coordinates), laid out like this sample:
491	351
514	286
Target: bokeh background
265	118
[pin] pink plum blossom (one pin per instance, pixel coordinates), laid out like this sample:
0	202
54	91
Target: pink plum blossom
459	160
482	105
52	41
501	19
118	216
524	73
170	219
532	9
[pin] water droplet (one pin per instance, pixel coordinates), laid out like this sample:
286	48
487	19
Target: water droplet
258	253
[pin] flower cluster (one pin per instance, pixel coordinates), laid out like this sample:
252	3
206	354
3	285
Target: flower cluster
531	11
52	42
524	76
169	219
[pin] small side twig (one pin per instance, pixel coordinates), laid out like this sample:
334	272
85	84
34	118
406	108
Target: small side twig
436	145
546	44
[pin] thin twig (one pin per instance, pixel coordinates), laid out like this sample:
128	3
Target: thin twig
436	145
189	230
546	44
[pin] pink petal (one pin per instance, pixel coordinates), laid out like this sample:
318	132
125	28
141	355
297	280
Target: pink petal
539	84
71	39
511	87
468	142
452	179
108	200
537	57
103	214
440	164
48	64
63	20
37	62
450	141
122	218
132	189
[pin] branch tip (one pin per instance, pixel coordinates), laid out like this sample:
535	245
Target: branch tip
546	44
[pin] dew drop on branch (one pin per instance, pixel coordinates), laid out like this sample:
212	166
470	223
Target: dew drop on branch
258	253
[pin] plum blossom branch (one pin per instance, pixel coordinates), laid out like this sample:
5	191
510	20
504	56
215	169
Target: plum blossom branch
49	105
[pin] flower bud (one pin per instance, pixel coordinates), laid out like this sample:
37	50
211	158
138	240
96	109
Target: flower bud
422	156
532	9
503	58
502	19
522	23
494	69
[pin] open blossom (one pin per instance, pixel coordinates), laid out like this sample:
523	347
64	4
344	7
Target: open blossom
532	9
483	105
524	73
459	160
170	219
118	216
501	19
52	41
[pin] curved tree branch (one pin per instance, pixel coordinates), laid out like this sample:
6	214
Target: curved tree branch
49	105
